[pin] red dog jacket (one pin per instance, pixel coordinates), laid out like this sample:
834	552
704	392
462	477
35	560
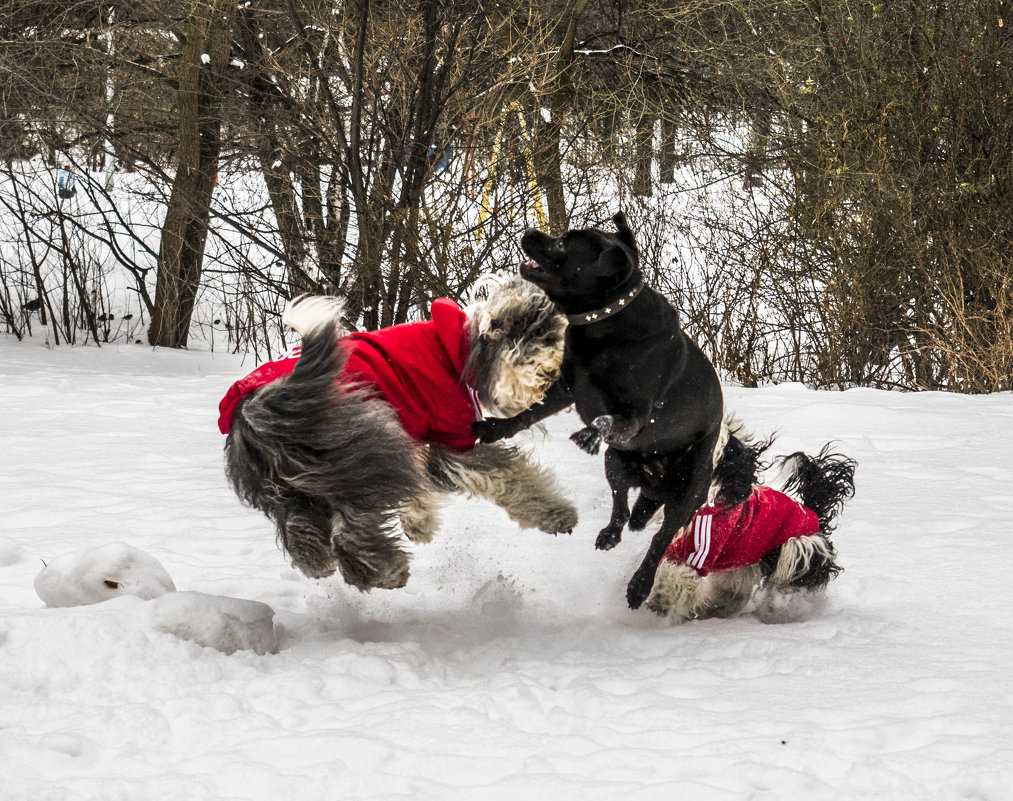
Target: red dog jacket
724	538
415	367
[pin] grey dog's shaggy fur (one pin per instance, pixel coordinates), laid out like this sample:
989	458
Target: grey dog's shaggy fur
331	465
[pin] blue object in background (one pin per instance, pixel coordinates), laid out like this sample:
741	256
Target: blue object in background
65	182
444	158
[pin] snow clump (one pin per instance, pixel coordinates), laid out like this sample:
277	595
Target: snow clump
99	574
214	621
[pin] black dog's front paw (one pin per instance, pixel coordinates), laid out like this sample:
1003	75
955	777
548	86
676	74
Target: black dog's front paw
639	587
608	538
587	439
493	429
613	431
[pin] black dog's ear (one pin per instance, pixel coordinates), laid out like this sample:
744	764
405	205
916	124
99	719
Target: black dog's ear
612	261
625	234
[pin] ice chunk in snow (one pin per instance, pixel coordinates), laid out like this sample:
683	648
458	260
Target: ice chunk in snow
98	574
10	552
214	621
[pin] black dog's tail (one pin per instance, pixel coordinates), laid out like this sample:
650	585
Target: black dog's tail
823	482
328	463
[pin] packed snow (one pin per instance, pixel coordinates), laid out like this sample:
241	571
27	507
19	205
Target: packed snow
509	667
98	574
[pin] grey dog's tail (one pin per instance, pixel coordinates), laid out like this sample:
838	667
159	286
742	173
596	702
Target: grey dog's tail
327	462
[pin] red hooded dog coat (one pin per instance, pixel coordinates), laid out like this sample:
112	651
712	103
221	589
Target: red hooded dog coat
415	367
724	538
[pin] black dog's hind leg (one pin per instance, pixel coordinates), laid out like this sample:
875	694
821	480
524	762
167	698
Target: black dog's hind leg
620	476
643	511
686	488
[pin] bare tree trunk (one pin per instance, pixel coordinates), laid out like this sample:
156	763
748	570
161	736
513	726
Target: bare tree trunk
335	232
201	86
421	131
307	170
668	159
645	155
364	293
274	160
551	160
756	155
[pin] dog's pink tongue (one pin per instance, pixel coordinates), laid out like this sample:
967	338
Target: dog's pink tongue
532	265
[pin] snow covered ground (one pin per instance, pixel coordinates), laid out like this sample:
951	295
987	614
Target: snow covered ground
509	667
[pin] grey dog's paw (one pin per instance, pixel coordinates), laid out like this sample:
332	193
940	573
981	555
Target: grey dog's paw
395	578
561	520
315	569
387	572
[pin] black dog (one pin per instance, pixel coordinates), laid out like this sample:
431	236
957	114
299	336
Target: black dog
638	382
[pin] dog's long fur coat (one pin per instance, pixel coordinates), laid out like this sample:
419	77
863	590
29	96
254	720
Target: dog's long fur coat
416	368
325	455
756	542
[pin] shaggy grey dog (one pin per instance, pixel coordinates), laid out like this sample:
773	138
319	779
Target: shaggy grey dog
329	461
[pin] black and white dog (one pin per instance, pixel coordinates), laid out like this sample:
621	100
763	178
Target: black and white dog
341	442
638	381
755	542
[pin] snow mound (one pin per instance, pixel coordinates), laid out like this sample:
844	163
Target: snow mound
99	574
214	621
788	606
10	552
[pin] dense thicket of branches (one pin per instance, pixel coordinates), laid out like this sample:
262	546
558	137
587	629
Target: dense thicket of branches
823	186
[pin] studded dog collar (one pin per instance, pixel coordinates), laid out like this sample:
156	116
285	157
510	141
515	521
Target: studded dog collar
616	306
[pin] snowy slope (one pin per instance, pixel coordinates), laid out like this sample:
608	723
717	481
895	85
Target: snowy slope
509	667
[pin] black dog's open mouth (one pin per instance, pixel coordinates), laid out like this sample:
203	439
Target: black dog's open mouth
530	268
